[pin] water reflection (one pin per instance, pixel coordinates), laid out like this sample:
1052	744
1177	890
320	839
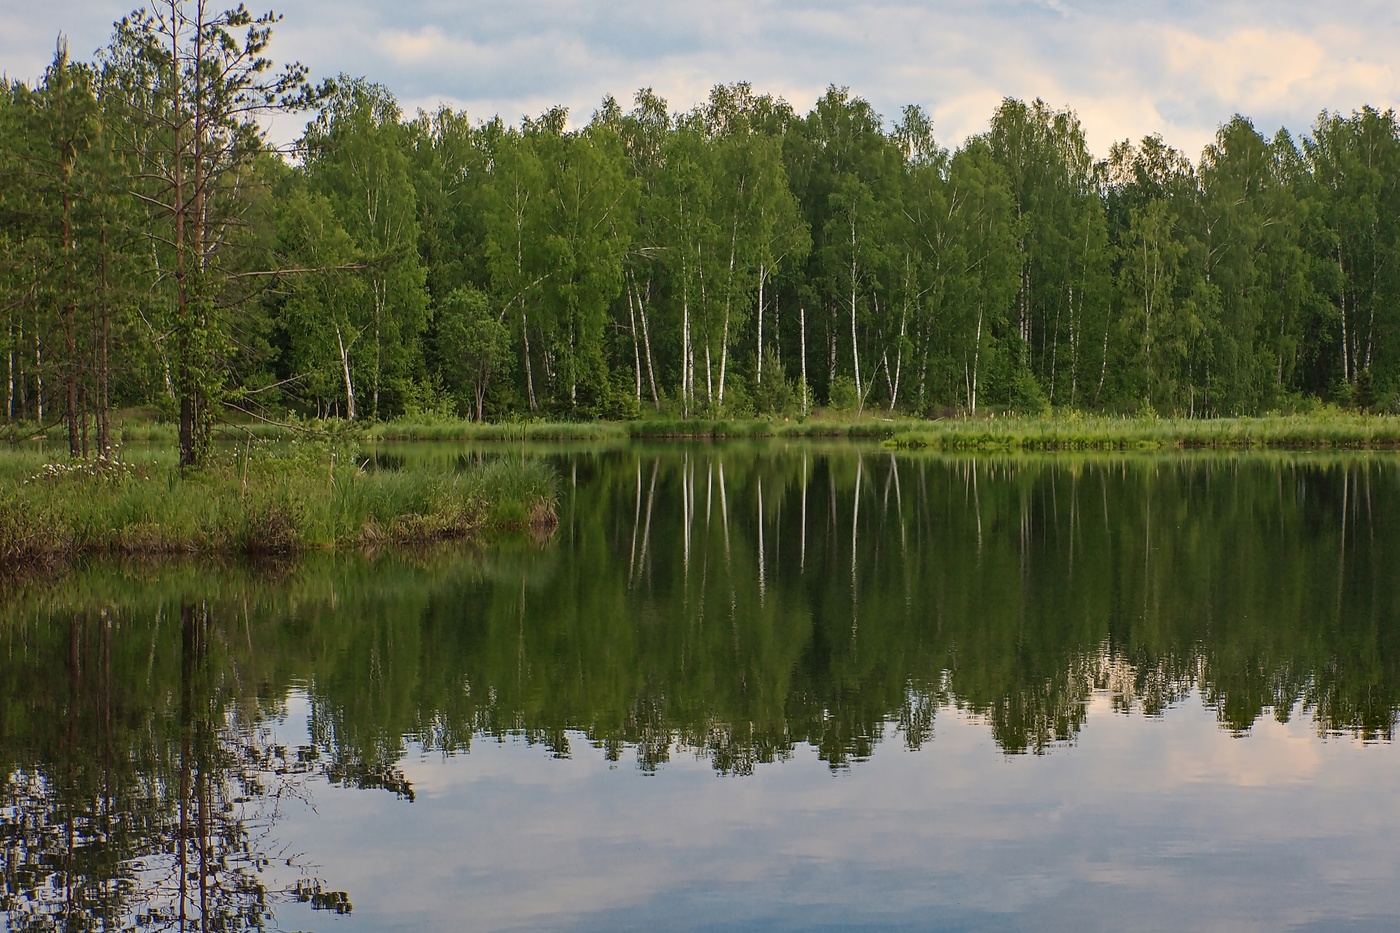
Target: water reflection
735	603
141	786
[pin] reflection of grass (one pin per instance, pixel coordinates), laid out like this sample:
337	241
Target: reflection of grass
277	499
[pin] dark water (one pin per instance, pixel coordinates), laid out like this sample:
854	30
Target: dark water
778	687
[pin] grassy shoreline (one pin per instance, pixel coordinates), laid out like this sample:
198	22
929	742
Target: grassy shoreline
1325	428
1327	431
276	501
307	492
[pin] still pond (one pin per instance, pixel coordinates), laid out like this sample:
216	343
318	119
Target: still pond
777	686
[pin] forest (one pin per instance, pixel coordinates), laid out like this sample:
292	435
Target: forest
735	258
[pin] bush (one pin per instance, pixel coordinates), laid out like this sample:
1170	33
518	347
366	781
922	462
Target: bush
1364	397
842	396
1027	397
776	395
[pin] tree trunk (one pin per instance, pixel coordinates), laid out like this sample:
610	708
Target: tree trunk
104	427
529	366
855	346
9	376
802	324
646	342
379	298
345	370
38	373
723	357
976	362
636	346
758	377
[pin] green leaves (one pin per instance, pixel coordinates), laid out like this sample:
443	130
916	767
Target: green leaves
149	231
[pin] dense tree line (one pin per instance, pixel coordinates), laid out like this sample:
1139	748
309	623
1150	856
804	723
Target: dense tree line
733	257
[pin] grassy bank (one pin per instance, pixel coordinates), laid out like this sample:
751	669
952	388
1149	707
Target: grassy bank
1326	429
1319	431
271	499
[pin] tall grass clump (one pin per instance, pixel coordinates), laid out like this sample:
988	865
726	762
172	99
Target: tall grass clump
263	499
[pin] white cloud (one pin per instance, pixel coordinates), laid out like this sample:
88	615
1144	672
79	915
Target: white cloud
1129	67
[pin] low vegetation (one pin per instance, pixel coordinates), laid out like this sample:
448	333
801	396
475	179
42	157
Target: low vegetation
1323	428
263	499
1327	429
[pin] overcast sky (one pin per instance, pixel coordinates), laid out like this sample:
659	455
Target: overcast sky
1129	67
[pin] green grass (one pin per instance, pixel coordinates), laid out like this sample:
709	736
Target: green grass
1325	429
257	500
1319	431
1322	429
871	426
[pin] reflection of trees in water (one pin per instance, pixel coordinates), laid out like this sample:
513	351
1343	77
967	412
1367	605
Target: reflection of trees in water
144	802
816	599
736	602
728	602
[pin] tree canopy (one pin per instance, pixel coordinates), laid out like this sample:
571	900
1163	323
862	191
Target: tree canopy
734	258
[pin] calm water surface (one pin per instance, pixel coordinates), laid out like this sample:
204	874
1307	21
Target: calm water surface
742	686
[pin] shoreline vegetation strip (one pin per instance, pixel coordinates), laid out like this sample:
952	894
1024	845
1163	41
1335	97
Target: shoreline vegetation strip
301	498
1329	428
310	491
1070	431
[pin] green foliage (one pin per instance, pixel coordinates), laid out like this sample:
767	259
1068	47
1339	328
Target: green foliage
1027	397
472	343
261	499
651	258
1364	395
842	395
776	395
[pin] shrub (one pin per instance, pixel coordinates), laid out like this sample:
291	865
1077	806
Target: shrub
842	396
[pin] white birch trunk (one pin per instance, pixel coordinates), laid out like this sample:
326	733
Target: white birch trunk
758	378
802	321
345	369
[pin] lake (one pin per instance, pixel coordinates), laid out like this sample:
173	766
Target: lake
745	685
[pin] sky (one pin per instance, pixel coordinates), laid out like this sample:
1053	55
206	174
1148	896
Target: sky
1129	68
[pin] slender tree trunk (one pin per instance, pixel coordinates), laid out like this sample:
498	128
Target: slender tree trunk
646	342
898	358
723	357
758	377
9	372
21	378
70	328
728	304
180	207
855	346
831	329
802	327
379	299
38	372
345	370
687	357
1347	369
976	362
104	427
636	344
529	366
709	378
